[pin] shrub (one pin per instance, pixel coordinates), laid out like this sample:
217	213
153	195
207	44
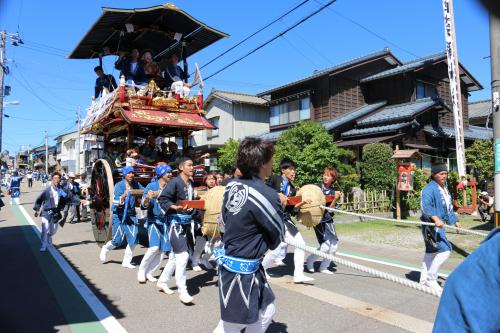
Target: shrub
227	154
378	168
311	147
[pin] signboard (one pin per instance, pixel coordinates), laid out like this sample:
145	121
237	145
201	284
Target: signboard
497	156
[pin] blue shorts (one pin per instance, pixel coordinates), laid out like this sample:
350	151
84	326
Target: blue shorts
127	230
158	236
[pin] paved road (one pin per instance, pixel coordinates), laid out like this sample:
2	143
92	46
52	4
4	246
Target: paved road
37	295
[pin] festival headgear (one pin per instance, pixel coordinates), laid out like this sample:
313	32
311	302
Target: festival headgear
126	170
484	193
161	170
71	174
437	168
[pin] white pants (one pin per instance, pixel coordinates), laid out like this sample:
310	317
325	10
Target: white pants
279	253
168	270
178	88
151	261
127	256
178	262
265	318
198	249
329	246
431	264
48	230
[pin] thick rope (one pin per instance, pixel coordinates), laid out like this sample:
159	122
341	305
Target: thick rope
365	269
477	233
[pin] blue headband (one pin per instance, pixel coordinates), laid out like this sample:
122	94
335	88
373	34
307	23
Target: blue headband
162	169
126	170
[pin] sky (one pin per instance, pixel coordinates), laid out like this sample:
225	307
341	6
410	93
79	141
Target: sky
51	89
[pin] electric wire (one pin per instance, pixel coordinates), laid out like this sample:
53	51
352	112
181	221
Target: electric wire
304	19
30	89
370	31
255	33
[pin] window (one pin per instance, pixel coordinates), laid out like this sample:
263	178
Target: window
213	133
290	112
424	90
305	112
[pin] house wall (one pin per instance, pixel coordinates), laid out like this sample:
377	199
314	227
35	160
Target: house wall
248	120
443	89
223	110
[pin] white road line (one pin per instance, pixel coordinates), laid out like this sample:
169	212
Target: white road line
381	262
107	320
365	309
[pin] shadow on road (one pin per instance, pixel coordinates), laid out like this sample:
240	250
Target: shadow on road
459	250
413	276
100	294
195	283
276	327
60	246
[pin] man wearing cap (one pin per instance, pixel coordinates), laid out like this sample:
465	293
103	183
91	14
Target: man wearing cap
72	208
485	209
436	208
103	81
124	221
155	224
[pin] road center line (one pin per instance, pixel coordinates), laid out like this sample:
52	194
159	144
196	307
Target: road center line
107	320
365	309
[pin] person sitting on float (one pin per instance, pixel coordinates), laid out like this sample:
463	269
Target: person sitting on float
175	75
132	68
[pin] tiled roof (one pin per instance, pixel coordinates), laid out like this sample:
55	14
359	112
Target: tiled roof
399	111
472	132
424	62
421	62
352	115
479	109
325	71
236	97
270	136
375	130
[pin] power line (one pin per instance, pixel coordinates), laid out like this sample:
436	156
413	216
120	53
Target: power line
41	45
370	31
272	39
255	33
30	90
300	52
30	119
58	55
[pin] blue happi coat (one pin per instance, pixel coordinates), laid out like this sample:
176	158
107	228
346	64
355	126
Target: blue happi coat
156	220
15	184
125	224
50	211
73	191
433	204
472	292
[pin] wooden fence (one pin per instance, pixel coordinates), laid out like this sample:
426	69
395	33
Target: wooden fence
366	201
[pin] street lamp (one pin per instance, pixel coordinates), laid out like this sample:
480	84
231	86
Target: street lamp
11	103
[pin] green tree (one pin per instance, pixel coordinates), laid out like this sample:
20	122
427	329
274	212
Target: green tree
311	147
227	154
479	156
378	168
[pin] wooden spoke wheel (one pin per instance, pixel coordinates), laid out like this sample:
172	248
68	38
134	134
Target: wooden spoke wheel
101	195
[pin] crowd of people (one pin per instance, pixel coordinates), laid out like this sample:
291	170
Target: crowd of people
255	223
139	69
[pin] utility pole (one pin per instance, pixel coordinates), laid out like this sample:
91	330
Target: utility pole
15	41
3	36
455	88
46	152
78	121
495	90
